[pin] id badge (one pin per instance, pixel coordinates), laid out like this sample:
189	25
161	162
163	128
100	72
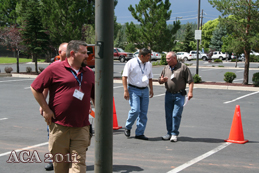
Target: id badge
172	76
78	94
144	78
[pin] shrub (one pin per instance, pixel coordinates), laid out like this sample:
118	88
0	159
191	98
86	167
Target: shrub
253	58
28	69
221	66
8	69
163	60
229	77
217	60
255	79
41	69
233	60
196	78
188	64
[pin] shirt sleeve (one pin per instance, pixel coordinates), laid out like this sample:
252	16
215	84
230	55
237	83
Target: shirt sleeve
43	80
126	69
151	73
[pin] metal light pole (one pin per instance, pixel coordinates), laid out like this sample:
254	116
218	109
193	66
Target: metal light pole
197	61
104	28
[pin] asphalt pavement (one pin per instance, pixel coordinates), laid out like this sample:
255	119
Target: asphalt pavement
206	123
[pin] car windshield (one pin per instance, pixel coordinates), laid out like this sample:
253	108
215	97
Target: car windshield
120	50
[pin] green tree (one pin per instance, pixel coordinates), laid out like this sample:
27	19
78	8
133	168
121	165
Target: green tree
33	34
188	38
244	24
153	31
207	32
8	13
216	42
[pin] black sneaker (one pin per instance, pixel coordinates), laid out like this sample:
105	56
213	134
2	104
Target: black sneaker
143	137
49	167
127	132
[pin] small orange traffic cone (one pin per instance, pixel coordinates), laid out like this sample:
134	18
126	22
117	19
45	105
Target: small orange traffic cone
115	121
92	113
236	134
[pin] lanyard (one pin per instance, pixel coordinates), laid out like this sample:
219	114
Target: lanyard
140	67
172	69
77	78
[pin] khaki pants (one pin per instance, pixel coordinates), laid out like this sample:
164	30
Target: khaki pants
66	142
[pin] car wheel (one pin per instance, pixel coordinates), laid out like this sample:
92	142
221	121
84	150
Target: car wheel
122	59
185	59
221	58
204	58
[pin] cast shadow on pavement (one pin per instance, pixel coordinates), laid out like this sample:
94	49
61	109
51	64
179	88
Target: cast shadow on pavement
120	168
208	140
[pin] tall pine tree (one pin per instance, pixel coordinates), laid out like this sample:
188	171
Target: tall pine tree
216	40
188	38
153	31
33	34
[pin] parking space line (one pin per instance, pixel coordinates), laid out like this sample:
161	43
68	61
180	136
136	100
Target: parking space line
159	95
238	79
15	80
241	97
3	119
118	87
197	159
30	147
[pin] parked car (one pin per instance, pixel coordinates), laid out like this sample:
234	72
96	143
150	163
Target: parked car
183	56
155	56
219	55
203	56
121	55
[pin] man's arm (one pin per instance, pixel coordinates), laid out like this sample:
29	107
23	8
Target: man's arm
190	94
125	86
48	113
45	94
151	93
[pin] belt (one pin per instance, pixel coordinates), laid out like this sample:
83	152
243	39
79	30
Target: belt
137	87
174	92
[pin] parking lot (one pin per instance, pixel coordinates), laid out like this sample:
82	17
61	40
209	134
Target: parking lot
205	124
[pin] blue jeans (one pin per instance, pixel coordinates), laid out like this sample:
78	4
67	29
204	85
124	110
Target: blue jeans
173	112
139	100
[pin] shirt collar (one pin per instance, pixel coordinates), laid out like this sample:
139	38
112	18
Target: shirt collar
66	65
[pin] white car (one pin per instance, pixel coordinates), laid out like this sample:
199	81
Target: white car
183	56
155	56
201	55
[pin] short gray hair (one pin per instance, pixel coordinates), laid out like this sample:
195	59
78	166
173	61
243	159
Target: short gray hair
173	54
74	45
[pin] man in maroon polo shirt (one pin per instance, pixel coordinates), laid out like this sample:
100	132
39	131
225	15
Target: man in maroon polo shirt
71	86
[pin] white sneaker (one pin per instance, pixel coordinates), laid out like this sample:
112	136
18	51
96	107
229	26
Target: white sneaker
173	138
166	137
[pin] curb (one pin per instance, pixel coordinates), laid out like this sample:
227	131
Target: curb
155	83
5	75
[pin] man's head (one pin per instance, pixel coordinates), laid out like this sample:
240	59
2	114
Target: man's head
62	51
144	55
171	58
77	52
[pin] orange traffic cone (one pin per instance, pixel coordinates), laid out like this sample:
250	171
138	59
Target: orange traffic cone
92	113
236	134
115	121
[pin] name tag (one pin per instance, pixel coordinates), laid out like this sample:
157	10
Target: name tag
144	78
78	94
172	76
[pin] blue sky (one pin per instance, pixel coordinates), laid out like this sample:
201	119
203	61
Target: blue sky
187	9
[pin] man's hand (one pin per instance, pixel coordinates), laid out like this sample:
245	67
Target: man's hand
151	93
126	94
48	116
163	79
41	111
190	95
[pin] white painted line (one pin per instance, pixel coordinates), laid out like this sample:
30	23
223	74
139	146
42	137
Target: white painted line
159	95
208	69
30	147
197	159
3	119
118	86
238	79
239	71
241	97
27	88
15	80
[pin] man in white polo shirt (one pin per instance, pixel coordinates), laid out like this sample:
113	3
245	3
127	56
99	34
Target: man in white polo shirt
137	76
